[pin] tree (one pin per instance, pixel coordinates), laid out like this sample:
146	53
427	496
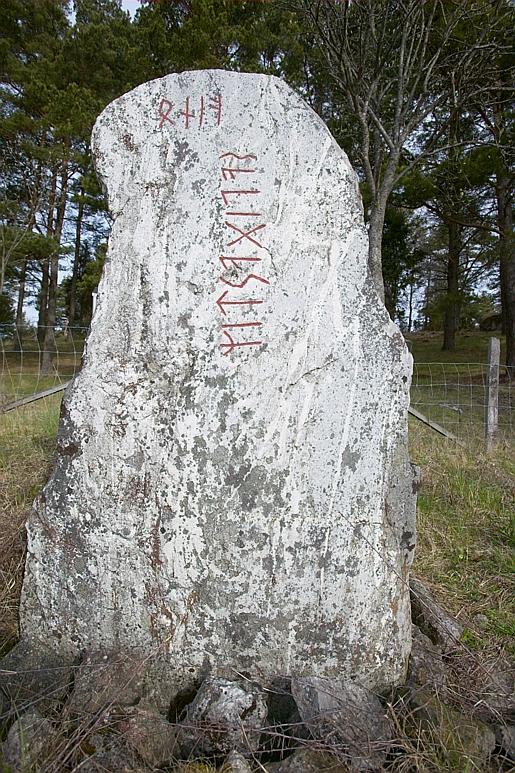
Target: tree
495	105
394	63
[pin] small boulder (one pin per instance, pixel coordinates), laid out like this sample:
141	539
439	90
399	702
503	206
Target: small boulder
485	683
505	737
308	761
26	740
224	716
495	692
149	734
347	716
426	666
236	763
432	619
463	739
108	753
30	673
104	680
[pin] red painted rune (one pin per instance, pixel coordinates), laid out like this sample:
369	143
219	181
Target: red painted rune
235	344
241	202
204	113
165	108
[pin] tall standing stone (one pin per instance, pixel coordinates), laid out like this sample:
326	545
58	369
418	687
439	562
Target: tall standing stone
232	489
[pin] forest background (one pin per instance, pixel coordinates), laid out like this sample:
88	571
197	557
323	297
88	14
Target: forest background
419	93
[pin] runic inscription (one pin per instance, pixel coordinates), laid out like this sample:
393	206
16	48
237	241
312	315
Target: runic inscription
207	110
244	231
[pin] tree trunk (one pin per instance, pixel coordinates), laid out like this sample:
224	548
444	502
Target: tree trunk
43	295
19	308
506	265
375	242
76	263
410	307
51	316
452	305
43	300
452	299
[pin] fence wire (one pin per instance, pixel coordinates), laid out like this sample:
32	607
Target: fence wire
451	394
25	371
455	394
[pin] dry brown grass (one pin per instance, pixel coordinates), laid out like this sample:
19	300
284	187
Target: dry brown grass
27	440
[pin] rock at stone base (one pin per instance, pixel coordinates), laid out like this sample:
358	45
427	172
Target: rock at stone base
308	761
461	737
26	741
110	754
103	680
505	737
426	666
494	695
149	734
224	716
236	763
431	618
29	672
347	716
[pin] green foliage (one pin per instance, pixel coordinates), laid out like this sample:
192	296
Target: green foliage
59	71
6	310
401	258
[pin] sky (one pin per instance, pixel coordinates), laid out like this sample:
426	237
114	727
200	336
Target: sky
131	6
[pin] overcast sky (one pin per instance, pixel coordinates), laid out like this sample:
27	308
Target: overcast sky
131	6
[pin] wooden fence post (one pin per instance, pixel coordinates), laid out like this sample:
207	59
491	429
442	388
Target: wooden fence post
492	393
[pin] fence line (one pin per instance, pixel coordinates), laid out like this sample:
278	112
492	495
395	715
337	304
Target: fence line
453	396
22	359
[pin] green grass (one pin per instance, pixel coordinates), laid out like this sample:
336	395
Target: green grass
471	346
27	443
19	371
466	530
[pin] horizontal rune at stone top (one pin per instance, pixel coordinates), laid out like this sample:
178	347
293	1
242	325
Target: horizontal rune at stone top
167	109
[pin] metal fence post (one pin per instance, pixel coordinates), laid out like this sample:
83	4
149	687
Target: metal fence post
492	393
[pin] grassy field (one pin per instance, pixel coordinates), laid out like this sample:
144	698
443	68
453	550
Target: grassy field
466	531
20	370
470	347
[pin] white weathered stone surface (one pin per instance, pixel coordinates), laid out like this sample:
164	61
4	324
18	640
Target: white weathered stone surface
236	511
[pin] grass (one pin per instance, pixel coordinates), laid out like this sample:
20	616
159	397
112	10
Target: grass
27	441
471	346
466	531
19	370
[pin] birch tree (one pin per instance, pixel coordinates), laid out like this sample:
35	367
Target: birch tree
397	65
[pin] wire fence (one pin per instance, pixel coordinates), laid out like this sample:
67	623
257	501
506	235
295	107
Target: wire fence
22	361
454	395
